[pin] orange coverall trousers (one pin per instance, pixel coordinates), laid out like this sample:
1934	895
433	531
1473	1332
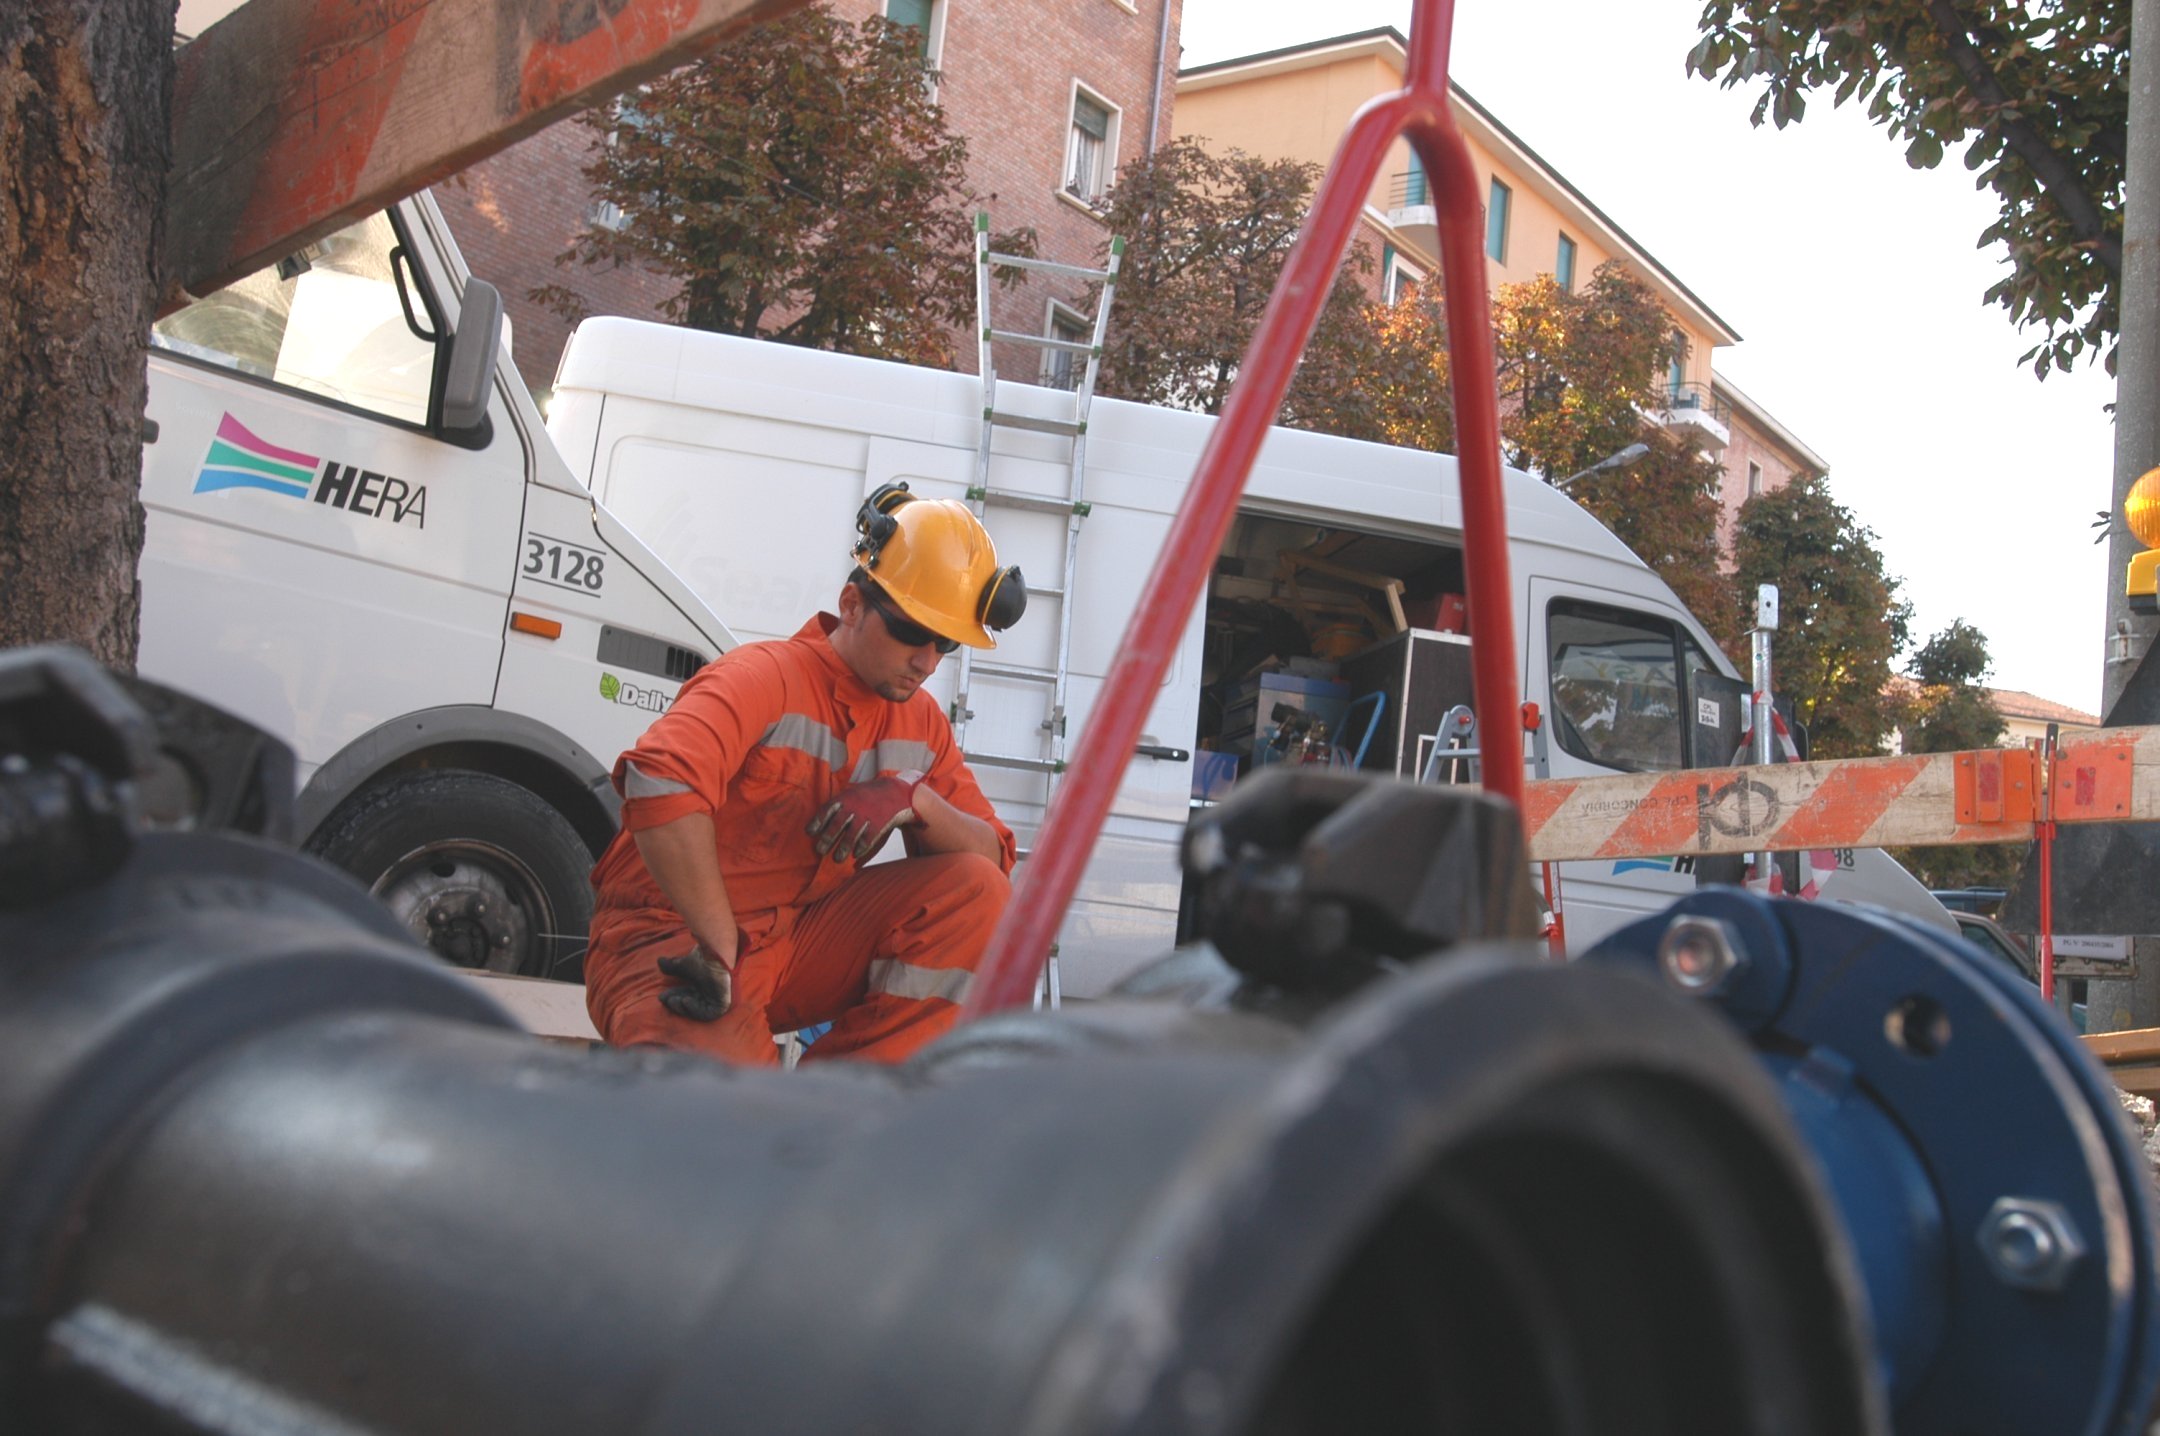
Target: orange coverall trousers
886	958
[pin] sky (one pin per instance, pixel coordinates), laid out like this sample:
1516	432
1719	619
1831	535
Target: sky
1853	280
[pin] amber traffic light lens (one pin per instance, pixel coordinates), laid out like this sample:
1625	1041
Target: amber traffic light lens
2141	510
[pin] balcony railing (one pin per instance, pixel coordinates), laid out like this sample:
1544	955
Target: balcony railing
1697	399
1407	189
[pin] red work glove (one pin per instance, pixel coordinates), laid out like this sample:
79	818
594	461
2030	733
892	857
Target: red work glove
857	823
708	987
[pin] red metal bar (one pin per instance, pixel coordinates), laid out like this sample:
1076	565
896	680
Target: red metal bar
1420	109
2046	836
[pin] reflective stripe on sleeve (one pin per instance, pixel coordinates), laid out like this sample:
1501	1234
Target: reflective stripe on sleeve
805	734
637	785
902	979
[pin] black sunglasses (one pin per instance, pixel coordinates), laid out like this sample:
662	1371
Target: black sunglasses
904	631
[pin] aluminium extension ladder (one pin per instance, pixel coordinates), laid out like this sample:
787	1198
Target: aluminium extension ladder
1053	681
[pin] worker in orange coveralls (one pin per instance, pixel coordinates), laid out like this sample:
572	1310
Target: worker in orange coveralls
733	903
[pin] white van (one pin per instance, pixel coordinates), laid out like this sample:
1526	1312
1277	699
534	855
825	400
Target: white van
744	463
361	540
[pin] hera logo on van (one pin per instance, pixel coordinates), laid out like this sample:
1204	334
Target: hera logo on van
240	459
652	700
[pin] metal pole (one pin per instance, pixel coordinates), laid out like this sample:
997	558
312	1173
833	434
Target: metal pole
1759	705
2137	361
1760	713
2134	1002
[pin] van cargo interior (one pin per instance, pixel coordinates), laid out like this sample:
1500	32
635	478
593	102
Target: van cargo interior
1334	646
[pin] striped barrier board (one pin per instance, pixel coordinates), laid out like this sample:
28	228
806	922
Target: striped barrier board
1989	795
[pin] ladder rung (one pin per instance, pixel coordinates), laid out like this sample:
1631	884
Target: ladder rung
1044	341
1046	266
1039	503
1015	671
1029	421
1008	760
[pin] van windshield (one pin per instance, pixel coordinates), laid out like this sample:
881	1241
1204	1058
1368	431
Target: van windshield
1616	679
326	321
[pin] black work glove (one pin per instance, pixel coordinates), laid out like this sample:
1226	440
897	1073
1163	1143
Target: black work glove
707	986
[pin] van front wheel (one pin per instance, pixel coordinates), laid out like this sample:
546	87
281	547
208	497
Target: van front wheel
482	872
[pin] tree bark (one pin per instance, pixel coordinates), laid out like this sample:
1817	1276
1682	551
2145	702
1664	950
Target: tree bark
85	122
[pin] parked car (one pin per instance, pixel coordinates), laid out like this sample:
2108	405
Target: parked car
1986	902
1992	938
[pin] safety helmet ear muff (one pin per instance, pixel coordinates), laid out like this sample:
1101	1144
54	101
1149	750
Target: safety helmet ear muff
1004	599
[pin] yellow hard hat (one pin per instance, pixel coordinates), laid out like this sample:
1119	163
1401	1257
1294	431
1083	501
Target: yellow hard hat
936	561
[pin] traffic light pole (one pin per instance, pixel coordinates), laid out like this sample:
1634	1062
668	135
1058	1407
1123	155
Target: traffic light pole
2134	1002
2137	360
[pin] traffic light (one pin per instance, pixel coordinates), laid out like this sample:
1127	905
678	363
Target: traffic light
2141	510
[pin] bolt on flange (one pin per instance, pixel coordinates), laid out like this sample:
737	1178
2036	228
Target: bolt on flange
2030	1243
1698	954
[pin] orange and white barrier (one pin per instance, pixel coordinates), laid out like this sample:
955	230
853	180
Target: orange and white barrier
1991	795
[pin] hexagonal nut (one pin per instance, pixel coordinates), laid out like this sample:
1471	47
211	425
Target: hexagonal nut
1699	954
2031	1243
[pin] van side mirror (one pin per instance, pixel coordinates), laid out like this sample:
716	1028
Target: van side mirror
470	375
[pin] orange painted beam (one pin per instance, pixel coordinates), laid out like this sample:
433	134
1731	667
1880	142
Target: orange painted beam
292	118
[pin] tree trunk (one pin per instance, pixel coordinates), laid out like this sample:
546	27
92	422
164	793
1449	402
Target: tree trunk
85	122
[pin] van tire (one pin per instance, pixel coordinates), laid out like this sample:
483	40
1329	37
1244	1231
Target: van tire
482	872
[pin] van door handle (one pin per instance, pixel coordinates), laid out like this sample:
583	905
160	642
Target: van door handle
1168	755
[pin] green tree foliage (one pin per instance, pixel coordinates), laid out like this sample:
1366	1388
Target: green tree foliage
1947	710
1951	709
1841	619
1206	236
802	186
2038	92
1664	507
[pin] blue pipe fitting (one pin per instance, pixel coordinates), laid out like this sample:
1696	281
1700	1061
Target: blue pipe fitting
1997	1205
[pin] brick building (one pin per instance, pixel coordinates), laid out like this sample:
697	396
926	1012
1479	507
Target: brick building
1051	95
1760	456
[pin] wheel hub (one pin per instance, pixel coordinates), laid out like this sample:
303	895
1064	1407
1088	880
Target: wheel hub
472	905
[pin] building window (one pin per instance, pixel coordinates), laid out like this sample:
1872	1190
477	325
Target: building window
1564	265
1063	369
1415	188
927	19
1754	479
1399	278
1496	221
1676	374
1090	147
606	214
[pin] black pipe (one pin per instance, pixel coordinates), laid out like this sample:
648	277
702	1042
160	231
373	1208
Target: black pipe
263	1170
